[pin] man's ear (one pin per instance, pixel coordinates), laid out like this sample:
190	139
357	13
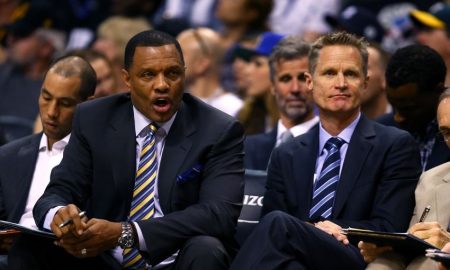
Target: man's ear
309	82
126	78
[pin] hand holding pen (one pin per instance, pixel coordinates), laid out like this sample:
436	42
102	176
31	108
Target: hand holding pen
69	220
425	213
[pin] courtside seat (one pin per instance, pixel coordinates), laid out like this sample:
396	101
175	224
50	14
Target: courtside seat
255	182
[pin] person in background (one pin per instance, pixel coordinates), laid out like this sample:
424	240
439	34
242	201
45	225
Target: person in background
432	191
413	89
112	36
158	173
203	55
308	198
259	112
26	163
374	102
288	64
107	82
30	51
433	29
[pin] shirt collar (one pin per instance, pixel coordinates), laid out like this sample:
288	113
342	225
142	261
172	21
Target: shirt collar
141	122
57	146
297	130
345	134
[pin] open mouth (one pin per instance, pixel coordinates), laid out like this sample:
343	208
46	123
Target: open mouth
162	105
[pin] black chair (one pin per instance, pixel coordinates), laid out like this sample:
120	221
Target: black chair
255	182
14	127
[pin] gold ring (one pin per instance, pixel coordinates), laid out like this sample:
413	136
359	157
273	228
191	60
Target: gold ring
83	252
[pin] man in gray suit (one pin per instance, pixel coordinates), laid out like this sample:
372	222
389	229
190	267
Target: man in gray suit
433	190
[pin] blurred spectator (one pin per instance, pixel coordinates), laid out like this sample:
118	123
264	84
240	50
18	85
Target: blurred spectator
112	36
259	113
241	20
433	29
239	66
106	79
135	8
203	55
10	11
358	21
374	102
304	17
393	16
174	16
31	48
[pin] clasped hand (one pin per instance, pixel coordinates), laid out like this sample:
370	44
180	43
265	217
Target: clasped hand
332	229
84	237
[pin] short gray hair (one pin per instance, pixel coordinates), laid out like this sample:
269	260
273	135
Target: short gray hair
289	48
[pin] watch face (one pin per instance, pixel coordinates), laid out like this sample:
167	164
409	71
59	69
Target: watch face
126	239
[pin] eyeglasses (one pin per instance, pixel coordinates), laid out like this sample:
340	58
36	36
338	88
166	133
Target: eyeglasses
201	42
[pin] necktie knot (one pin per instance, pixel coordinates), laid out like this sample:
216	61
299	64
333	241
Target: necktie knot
286	136
334	142
153	128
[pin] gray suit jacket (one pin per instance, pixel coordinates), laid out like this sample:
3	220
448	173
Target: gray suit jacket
434	190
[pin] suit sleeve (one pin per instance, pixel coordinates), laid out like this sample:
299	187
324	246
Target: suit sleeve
71	180
219	201
275	195
393	200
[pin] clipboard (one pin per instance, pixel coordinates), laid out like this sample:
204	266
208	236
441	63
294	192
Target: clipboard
403	243
7	227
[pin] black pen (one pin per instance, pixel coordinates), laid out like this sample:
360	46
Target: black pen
425	213
69	221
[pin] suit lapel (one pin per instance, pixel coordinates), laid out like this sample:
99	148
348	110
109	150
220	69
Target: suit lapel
304	166
359	147
121	141
177	145
27	157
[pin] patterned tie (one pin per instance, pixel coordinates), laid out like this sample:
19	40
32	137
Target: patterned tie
143	205
325	186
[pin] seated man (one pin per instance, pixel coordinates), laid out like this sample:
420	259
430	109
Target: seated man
288	63
26	164
158	173
309	198
413	89
432	190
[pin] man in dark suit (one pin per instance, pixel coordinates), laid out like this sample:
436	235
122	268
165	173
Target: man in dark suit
26	163
288	63
188	170
309	199
413	89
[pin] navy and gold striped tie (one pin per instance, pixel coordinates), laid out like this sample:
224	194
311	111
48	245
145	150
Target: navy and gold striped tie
143	204
325	186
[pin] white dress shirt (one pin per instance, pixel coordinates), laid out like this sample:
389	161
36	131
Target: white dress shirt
46	161
324	136
295	130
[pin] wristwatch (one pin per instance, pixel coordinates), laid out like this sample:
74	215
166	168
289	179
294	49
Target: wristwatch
126	239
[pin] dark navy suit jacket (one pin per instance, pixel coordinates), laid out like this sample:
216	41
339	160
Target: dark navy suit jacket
377	181
98	169
17	164
258	149
440	152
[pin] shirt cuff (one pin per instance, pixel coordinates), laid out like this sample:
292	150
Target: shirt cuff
142	245
49	217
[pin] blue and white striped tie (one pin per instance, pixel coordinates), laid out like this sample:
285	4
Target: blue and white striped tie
325	187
